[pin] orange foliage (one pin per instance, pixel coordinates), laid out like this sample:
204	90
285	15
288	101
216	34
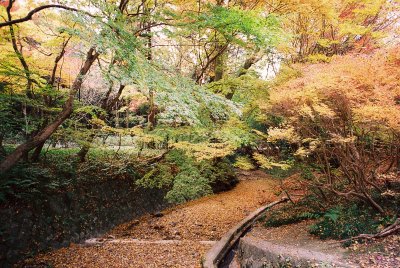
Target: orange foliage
346	115
365	82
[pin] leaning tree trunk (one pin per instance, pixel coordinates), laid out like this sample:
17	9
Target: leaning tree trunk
19	54
36	153
45	133
2	150
246	66
107	105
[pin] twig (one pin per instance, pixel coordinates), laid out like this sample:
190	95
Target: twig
391	229
38	9
156	158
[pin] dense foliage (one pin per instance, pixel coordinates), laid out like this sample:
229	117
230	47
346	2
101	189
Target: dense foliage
344	120
175	94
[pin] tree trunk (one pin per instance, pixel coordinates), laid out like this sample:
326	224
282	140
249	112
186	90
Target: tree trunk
246	66
219	65
45	133
151	118
57	60
36	153
250	61
2	150
19	54
84	150
208	64
108	106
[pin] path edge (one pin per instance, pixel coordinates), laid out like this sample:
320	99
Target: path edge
217	253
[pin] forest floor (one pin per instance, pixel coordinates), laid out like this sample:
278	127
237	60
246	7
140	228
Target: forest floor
380	253
176	237
180	236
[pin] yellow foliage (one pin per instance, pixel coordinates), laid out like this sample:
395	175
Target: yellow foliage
323	110
286	134
316	58
377	115
364	87
342	140
267	163
205	150
97	122
302	152
244	163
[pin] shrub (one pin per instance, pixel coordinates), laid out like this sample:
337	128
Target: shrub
188	185
185	178
317	58
343	117
244	162
293	213
344	222
61	169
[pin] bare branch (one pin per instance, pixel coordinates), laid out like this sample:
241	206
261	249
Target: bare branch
391	229
38	9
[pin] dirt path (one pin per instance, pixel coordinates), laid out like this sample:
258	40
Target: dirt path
177	238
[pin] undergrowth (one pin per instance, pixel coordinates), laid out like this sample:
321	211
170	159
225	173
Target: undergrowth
181	175
60	170
346	221
293	213
186	178
341	221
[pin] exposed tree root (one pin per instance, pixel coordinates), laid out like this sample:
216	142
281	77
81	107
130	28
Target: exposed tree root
385	232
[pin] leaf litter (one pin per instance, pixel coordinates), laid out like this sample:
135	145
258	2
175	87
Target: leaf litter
176	237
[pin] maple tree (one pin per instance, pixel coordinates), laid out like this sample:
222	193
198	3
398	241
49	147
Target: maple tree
182	61
346	117
183	92
321	29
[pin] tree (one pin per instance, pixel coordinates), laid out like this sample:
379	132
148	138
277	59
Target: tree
11	159
342	117
221	30
38	139
321	29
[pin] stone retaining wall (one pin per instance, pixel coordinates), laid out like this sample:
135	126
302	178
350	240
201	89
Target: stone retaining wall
258	253
72	215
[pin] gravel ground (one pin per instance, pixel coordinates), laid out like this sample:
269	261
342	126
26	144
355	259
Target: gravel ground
183	229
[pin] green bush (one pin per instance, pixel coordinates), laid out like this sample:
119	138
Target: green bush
344	222
185	178
293	213
60	169
188	185
180	174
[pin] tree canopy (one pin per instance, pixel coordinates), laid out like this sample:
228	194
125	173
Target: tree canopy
187	86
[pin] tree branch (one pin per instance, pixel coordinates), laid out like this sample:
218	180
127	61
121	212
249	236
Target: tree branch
391	229
38	9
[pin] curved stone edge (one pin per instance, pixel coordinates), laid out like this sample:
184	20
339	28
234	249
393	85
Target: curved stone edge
214	256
